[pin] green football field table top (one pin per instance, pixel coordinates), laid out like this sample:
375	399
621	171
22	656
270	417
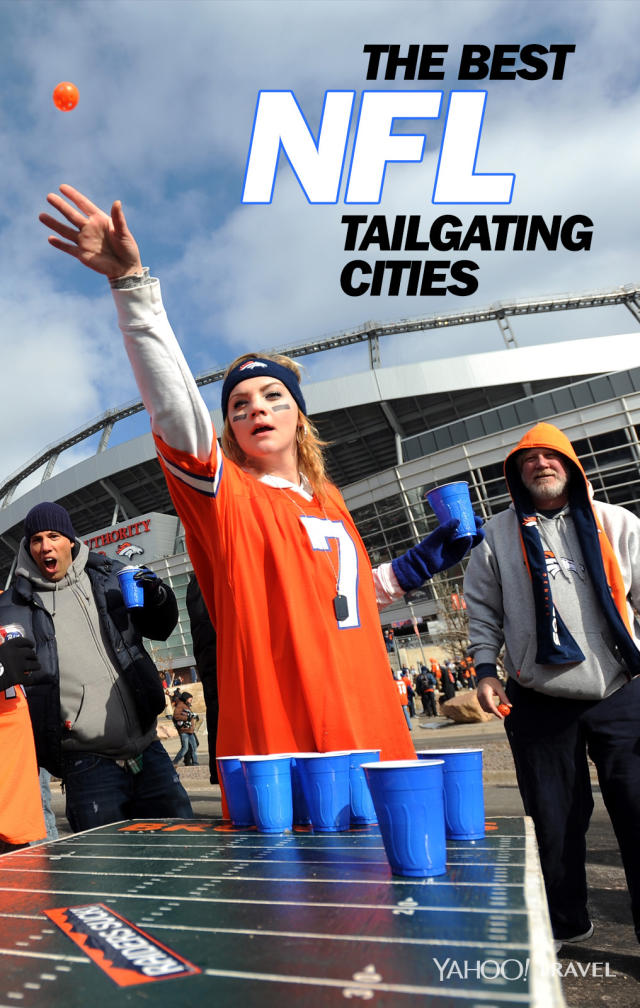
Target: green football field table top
175	913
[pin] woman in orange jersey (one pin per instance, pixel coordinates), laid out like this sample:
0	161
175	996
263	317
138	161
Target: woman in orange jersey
21	816
283	570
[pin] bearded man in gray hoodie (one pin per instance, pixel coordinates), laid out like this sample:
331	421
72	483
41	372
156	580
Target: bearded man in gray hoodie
557	581
95	699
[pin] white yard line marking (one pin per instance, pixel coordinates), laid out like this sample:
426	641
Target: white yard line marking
246	902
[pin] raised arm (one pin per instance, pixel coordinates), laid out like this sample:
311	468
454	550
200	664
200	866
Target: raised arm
105	244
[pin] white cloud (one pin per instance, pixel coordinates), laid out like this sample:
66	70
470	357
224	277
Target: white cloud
167	97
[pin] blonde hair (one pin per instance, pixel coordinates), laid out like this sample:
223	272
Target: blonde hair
310	445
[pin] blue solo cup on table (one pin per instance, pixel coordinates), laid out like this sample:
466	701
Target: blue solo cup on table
362	811
132	591
409	803
325	783
301	815
452	501
268	780
463	791
235	789
300	812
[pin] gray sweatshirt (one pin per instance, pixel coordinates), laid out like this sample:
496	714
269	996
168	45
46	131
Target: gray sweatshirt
499	599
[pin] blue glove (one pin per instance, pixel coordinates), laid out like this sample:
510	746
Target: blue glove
155	592
439	551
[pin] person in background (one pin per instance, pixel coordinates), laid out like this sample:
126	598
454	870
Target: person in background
435	668
183	719
473	680
447	682
406	678
204	639
94	700
427	684
420	685
402	694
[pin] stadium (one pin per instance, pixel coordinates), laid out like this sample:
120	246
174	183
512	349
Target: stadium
394	433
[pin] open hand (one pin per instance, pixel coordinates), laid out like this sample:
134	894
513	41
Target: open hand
102	242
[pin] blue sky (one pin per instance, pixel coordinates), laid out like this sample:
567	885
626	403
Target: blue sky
168	91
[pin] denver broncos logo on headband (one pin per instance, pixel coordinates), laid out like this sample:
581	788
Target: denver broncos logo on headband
269	368
530	520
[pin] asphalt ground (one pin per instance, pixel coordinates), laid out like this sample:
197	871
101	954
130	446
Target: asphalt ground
604	970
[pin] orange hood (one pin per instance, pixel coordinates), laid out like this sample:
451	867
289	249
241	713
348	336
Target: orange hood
543	435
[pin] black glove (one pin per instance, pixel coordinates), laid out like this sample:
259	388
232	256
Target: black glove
155	592
17	661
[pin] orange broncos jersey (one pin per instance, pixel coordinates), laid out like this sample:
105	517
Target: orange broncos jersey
292	675
21	816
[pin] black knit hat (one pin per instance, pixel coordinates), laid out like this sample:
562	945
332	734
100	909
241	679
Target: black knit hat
48	517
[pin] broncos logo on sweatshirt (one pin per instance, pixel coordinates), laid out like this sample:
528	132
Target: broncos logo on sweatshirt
554	566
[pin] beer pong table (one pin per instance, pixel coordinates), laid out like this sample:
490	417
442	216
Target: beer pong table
244	919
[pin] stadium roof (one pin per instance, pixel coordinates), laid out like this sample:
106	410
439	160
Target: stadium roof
369	415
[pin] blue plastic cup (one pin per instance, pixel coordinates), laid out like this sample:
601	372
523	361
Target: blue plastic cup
268	780
301	815
452	501
300	811
362	810
408	799
325	783
463	791
235	789
132	591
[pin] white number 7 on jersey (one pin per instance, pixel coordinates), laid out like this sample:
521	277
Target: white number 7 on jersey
320	531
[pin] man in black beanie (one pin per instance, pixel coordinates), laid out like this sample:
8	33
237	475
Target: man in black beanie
95	698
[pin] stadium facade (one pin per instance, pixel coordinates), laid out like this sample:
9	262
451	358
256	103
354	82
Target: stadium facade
394	433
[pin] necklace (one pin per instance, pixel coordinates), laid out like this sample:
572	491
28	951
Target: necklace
340	602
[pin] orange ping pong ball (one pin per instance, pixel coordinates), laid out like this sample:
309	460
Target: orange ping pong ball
65	96
504	709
